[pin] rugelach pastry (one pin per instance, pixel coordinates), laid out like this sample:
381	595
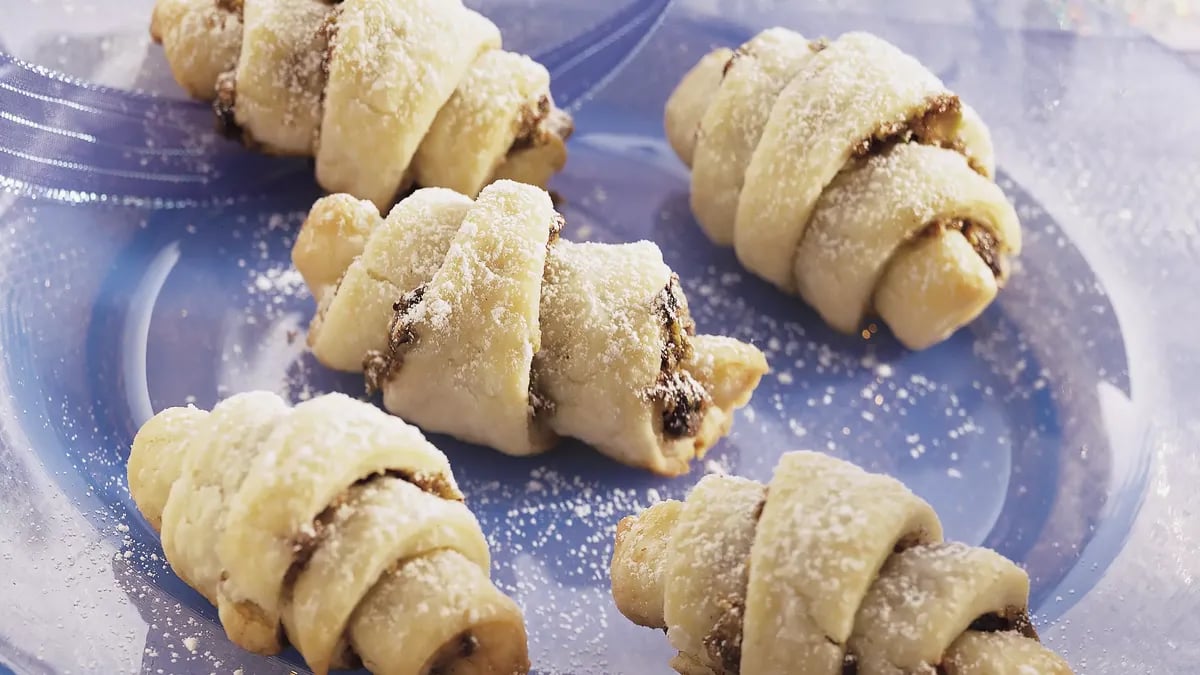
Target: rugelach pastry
475	319
331	523
827	570
848	174
384	94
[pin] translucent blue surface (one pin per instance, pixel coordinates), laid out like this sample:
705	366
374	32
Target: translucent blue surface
145	263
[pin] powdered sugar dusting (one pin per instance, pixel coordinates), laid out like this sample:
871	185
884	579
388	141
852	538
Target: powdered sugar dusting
539	513
531	514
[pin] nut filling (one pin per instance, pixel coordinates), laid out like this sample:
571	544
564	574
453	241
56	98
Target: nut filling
937	125
680	399
724	642
933	124
743	50
462	647
379	366
556	228
224	107
814	46
234	6
539	125
328	31
980	238
1012	619
540	403
306	542
344	656
238	6
434	484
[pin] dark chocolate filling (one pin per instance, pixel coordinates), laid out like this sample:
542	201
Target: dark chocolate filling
981	239
235	6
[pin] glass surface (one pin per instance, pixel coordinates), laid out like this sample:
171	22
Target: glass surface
144	262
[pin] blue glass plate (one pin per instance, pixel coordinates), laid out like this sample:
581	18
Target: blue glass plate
144	263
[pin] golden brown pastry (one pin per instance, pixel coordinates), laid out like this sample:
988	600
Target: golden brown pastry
847	173
828	570
333	522
476	320
383	93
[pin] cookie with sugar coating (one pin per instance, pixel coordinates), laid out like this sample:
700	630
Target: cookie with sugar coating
454	304
332	523
382	94
845	172
825	570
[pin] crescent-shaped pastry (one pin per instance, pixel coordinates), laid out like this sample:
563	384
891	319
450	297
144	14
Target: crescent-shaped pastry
383	94
847	173
828	570
333	522
476	320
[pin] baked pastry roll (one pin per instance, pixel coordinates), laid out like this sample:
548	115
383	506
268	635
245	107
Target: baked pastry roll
476	320
333	522
382	93
827	570
847	173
